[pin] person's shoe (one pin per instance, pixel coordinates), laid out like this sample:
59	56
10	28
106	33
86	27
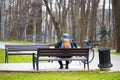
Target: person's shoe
66	67
61	67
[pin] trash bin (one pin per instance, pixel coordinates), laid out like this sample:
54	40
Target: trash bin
104	59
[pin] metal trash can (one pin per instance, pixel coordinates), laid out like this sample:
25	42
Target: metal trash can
104	59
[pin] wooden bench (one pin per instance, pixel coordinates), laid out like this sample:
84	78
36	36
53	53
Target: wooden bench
44	53
22	49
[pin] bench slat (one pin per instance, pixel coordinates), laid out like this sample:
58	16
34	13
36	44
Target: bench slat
21	52
22	49
25	47
63	59
62	54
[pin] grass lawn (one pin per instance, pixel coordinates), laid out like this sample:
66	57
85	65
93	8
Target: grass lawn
83	75
16	58
116	53
14	41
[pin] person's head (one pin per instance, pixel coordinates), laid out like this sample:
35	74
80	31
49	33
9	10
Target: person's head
66	35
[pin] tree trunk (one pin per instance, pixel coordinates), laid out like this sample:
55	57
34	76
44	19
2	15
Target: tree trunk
14	32
60	23
116	10
56	24
83	32
39	19
73	20
2	19
103	13
92	30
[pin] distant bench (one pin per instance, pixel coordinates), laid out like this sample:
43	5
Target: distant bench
22	49
43	54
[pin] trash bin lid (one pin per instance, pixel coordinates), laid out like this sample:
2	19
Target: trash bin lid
104	49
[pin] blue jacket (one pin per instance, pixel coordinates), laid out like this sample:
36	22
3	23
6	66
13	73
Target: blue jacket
59	44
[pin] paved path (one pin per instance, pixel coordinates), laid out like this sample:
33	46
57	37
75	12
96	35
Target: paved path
48	66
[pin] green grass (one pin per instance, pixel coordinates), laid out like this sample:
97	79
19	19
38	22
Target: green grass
2	56
18	58
116	53
111	51
83	75
14	41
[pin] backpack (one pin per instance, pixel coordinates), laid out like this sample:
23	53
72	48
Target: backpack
66	43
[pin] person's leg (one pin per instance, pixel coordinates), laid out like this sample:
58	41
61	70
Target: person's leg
67	63
61	64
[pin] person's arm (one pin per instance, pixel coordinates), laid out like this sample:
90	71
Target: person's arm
73	44
58	44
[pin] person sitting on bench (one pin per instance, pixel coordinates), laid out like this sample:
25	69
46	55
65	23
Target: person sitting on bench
65	42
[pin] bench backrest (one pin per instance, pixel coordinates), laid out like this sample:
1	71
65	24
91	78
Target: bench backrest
62	52
25	47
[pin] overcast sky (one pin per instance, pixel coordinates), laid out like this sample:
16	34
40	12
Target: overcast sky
107	4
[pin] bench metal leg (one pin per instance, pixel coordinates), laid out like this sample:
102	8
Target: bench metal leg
37	63
33	60
84	65
6	57
88	64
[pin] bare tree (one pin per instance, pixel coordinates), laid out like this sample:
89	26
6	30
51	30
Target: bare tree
77	17
103	13
36	13
116	10
53	19
73	22
83	31
93	16
2	18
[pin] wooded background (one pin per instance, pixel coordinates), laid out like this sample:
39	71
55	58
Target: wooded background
44	21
